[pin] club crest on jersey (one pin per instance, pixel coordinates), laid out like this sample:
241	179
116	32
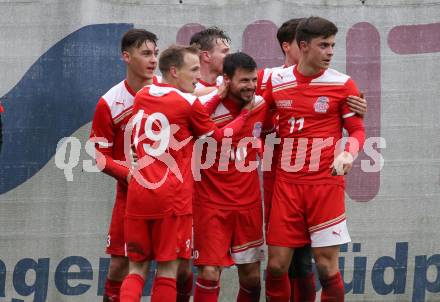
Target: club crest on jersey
284	103
256	132
322	104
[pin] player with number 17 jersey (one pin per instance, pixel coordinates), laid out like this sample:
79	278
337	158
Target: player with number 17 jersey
312	113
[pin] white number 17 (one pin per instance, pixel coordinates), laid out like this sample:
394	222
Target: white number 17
299	122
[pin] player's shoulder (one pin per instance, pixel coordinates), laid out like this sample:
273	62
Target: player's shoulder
281	75
167	91
331	77
205	98
118	93
259	104
266	72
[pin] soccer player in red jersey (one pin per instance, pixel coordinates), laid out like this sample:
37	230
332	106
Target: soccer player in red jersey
228	226
302	280
214	45
139	52
308	201
158	222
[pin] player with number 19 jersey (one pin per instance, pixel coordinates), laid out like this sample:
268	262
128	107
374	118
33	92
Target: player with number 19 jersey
166	120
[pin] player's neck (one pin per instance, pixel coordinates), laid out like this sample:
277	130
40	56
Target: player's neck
169	81
137	83
308	70
289	62
238	101
207	75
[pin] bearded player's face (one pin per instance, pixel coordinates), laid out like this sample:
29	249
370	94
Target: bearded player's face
243	84
142	61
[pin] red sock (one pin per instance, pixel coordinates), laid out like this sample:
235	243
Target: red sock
206	290
333	289
164	290
303	289
277	288
294	290
184	289
111	290
249	294
131	289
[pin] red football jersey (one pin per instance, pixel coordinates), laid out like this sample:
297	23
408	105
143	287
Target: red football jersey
227	184
112	113
312	113
164	122
270	123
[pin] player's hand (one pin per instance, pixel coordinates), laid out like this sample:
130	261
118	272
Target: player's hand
357	104
342	164
223	90
203	91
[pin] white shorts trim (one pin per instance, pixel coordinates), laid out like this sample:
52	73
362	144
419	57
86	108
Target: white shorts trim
334	235
250	255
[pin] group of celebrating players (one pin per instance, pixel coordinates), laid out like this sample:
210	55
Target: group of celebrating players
219	107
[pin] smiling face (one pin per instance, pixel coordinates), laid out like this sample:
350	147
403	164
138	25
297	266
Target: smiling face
142	61
243	84
188	75
318	53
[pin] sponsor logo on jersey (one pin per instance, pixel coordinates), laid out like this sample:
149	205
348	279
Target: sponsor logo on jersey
322	104
284	103
258	126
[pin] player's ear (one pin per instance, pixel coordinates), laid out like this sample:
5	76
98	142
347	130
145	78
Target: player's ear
285	47
125	56
303	45
173	71
226	79
205	56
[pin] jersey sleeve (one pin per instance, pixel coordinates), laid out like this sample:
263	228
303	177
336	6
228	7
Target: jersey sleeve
210	101
203	126
353	123
267	94
260	76
102	134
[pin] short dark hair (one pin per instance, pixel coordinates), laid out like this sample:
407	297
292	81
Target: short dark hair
287	31
135	37
314	27
174	56
205	39
237	60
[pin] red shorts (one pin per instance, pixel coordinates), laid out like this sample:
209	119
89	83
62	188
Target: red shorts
163	239
227	237
307	214
115	236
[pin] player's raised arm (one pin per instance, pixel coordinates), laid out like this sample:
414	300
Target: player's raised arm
203	125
